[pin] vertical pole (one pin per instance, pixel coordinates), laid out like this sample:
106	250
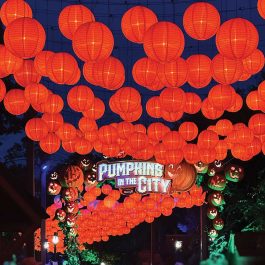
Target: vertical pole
43	205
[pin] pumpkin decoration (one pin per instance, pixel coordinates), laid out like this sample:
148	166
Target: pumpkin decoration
72	176
218	223
90	176
54	188
217	182
54	175
72	232
85	164
70	220
60	215
201	167
71	207
216	198
212	212
212	233
183	176
70	194
234	173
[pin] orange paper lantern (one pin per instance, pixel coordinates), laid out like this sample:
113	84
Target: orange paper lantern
36	93
188	130
53	120
254	62
50	144
96	110
153	107
36	129
41	62
2	90
193	103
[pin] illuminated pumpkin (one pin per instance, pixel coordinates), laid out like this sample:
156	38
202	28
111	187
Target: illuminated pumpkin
201	21
212	212
36	129
234	173
53	120
217	182
71	177
54	188
188	130
41	62
93	41
156	131
25	37
72	17
183	176
66	132
27	74
164	42
254	62
96	110
209	111
14	9
70	194
226	71
36	93
50	144
199	70
218	223
153	107
192	103
2	90
237	38
136	21
257	124
15	102
54	104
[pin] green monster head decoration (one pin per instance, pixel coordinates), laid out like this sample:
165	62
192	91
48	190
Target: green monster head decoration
212	212
217	182
216	198
201	167
218	223
234	173
212	233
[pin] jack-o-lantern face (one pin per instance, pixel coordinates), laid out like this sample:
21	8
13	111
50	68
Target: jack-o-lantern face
70	220
218	223
212	233
201	167
217	182
121	154
54	188
215	167
212	212
70	194
54	175
72	232
60	215
234	173
85	164
71	207
183	176
90	176
216	198
72	176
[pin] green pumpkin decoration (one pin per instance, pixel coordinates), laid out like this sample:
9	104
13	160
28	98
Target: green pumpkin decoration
234	173
218	223
212	233
216	198
201	167
217	182
212	212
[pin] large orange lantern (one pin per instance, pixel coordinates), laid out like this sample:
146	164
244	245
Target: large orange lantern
27	74
125	129
36	129
193	103
132	116
191	153
138	140
36	93
188	130
9	63
72	17
171	116
15	102
173	74
261	90
221	150
107	134
2	90
222	96
61	68
13	9
50	144
96	110
88	72
226	71
25	37
174	156
164	42
237	38
173	140
237	105
93	42
261	8
257	124
54	104
199	70
160	153
254	101
86	124
201	21
136	21
53	120
83	146
172	99
207	139
254	62
207	155
156	131
223	127
80	98
153	107
66	132
41	62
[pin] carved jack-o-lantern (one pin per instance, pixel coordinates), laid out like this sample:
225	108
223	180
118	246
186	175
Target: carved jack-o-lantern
218	223
217	182
72	207
70	194
60	215
121	154
201	167
70	220
54	175
183	176
85	164
54	188
234	173
72	232
90	176
72	176
212	233
216	198
215	167
212	212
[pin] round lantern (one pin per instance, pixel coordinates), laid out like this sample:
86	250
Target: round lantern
41	62
36	129
109	73
69	145
254	147
173	140
192	103
261	8
125	129
199	70
261	90
53	120
237	38
221	150
237	105
24	37
209	111
96	110
15	102
138	141
207	139
66	132
172	99
50	144
132	116
93	42
257	124
80	98
226	71
207	155
174	156
173	74
36	93
72	17
254	101
136	21
27	74
164	42
54	104
221	97
153	107
156	131
91	136
160	153
188	130
9	63
201	21
107	134
171	116
86	124
14	9
71	177
191	153
2	90
88	72
254	62
239	151
223	127
218	223
83	146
